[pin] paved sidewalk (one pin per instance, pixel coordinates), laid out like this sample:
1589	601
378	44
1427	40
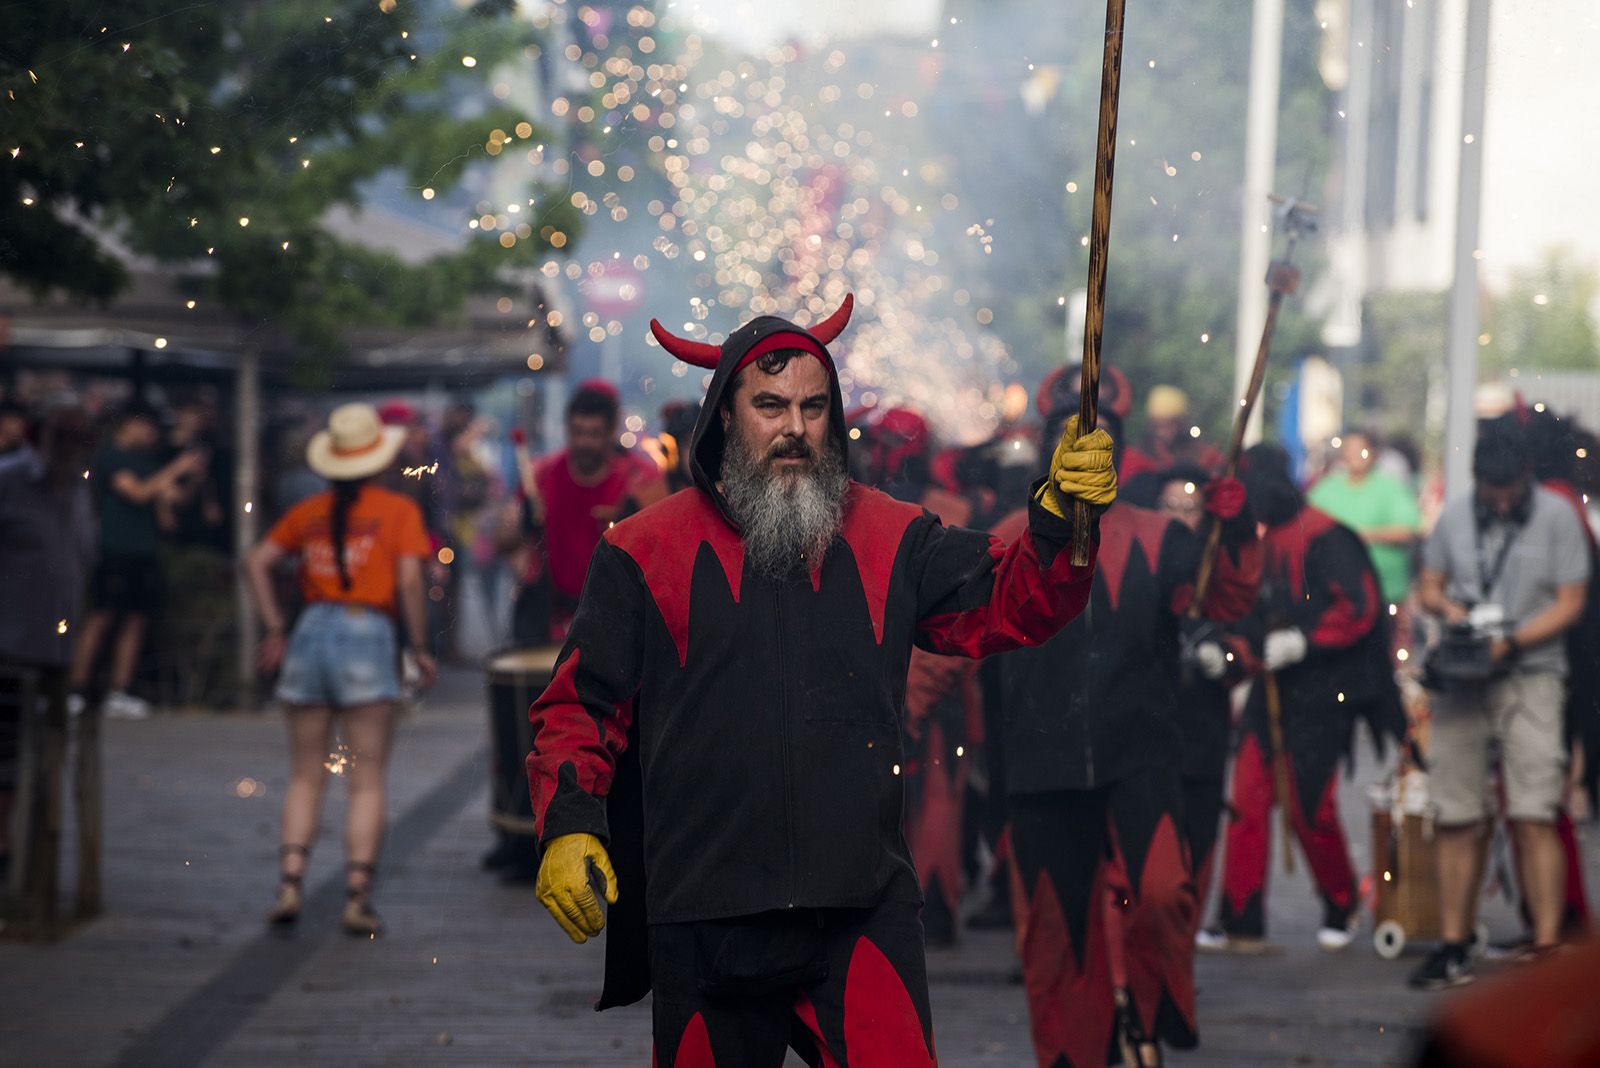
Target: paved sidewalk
181	971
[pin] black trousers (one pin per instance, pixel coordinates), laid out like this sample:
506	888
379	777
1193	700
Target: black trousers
844	988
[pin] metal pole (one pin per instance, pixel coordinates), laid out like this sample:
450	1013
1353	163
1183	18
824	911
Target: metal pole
1461	352
1255	223
247	465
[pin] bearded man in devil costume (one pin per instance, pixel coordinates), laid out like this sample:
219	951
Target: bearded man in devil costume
748	639
1103	891
1320	629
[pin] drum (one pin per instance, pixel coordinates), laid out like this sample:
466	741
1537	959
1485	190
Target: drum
515	679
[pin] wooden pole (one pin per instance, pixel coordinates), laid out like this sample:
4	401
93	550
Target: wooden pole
1241	423
88	781
1099	247
246	480
1283	279
1280	766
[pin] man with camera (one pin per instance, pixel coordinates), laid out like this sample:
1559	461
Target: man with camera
1506	570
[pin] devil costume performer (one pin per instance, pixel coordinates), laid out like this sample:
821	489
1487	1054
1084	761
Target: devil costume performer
775	878
1102	888
1216	659
1319	625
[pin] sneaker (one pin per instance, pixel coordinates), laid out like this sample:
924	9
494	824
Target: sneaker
76	704
1333	939
126	706
1338	929
1447	966
1215	940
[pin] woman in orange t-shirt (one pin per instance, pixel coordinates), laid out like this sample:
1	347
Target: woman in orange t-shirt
361	550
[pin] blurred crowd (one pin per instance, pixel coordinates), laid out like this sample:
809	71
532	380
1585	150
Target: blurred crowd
117	531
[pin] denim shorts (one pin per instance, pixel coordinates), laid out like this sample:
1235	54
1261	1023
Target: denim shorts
342	656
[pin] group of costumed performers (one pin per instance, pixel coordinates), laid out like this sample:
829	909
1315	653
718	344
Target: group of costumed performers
725	721
1104	897
769	748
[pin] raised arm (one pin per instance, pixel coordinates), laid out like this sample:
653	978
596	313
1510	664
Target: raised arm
979	594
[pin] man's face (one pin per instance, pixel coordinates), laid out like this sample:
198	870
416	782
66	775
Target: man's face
1166	430
1181	500
588	441
1504	501
13	431
782	418
138	433
1358	453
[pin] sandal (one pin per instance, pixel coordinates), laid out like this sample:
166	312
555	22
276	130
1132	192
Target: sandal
286	910
359	919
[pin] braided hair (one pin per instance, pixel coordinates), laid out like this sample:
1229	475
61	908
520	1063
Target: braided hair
345	493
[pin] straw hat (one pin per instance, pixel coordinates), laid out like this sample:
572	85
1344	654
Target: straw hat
355	445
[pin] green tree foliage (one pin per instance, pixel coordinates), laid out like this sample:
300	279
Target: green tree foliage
1545	319
217	136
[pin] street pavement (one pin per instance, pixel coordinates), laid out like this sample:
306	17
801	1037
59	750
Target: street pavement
180	970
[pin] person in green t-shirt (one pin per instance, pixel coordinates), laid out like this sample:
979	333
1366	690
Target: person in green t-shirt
1376	505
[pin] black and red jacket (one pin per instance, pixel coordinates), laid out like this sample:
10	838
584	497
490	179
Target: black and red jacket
768	714
1098	702
1318	578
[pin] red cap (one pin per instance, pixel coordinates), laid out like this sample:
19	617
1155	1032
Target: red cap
599	385
396	413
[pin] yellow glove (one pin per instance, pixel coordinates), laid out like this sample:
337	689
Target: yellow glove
563	884
1082	467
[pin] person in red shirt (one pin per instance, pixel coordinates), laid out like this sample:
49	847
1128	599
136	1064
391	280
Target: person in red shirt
580	489
361	549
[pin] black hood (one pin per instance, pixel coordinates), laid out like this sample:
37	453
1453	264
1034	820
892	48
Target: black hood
1268	485
705	462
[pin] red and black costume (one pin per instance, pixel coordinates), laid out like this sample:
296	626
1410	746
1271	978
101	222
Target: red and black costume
1091	750
943	713
1204	705
1317	578
765	715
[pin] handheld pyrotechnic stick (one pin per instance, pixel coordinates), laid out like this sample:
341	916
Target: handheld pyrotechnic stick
1099	241
1296	218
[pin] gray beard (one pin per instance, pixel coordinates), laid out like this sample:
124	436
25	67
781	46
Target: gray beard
788	518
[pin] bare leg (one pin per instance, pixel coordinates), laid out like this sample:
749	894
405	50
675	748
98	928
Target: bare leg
369	730
83	658
310	735
126	655
1458	885
1544	877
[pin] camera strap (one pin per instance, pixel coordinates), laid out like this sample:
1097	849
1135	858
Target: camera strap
1489	572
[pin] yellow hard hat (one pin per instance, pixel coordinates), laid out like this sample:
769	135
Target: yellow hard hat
1166	402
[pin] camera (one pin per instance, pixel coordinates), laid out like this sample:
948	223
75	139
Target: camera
1462	659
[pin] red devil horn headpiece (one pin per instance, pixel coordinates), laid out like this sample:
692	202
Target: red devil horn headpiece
701	354
830	327
696	352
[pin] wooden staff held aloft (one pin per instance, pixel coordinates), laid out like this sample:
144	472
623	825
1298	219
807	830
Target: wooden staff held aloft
1297	219
1283	279
1099	241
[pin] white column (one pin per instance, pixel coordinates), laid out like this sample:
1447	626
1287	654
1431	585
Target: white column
1255	227
1461	352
